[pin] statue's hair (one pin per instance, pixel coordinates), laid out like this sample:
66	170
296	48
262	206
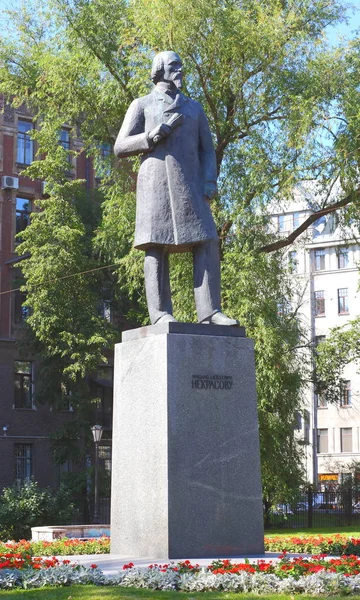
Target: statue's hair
157	68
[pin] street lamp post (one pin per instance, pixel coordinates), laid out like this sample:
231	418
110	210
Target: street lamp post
97	431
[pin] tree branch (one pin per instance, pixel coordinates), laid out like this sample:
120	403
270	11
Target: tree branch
208	97
311	219
96	53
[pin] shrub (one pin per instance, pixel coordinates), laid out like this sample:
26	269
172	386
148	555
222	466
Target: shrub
28	506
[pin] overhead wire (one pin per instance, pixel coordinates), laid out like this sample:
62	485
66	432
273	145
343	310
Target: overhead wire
63	277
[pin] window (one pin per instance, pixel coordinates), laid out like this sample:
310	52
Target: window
66	397
293	261
296	220
320	259
25	145
103	412
64	141
319	339
281	223
20	311
23	384
105	457
105	375
298	421
346	439
343	258
103	167
23	463
104	309
322	441
345	397
343	301
23	210
319	303
283	308
321	401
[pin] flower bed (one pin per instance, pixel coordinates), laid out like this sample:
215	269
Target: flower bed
62	547
335	545
12	560
20	566
318	575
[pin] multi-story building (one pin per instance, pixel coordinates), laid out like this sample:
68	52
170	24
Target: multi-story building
25	427
325	263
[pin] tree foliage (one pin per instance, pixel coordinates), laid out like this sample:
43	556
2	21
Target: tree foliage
29	506
341	347
283	108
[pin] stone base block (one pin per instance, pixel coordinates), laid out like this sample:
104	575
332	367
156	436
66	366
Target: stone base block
186	466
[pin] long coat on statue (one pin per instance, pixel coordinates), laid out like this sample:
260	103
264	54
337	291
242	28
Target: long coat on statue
171	210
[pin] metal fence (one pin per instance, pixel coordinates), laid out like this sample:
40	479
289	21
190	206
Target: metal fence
104	510
327	508
85	510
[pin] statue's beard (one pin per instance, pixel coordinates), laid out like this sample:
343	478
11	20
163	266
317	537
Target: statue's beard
176	79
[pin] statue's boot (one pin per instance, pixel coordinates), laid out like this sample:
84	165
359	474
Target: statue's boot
166	319
219	318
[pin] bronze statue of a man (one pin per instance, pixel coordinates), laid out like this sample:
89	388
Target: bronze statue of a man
176	181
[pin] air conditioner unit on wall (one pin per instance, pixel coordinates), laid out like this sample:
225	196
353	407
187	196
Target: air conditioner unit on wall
9	183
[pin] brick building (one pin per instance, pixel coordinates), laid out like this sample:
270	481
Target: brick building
25	428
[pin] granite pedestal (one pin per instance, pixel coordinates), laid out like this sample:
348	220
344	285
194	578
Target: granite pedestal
186	465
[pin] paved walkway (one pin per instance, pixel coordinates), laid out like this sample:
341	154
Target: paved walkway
110	564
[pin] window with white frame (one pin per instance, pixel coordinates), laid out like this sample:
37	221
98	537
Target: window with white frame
343	301
293	261
296	220
346	439
319	303
345	395
343	258
321	401
319	259
25	144
322	441
281	223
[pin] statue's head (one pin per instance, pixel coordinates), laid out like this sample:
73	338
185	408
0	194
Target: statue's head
167	66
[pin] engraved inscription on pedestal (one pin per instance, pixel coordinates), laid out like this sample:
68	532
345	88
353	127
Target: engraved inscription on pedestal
212	382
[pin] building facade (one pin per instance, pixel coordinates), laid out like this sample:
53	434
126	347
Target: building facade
325	262
25	427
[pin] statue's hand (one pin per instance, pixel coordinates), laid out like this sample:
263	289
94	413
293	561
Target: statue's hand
210	190
159	133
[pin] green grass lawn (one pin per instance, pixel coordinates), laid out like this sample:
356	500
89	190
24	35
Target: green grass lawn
350	531
85	592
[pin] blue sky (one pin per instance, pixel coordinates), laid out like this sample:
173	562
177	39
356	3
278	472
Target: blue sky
347	30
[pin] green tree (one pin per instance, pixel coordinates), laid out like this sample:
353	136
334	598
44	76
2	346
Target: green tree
271	88
341	347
